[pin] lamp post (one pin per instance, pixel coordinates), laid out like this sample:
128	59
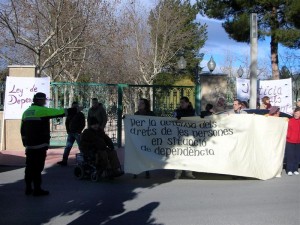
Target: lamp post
211	65
240	72
181	63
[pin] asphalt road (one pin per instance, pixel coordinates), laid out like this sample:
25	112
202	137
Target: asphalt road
208	200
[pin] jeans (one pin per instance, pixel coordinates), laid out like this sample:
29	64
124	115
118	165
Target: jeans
292	152
72	137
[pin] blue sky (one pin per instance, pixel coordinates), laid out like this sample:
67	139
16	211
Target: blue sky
219	44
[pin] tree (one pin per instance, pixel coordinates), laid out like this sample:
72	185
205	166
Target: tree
278	19
169	32
49	29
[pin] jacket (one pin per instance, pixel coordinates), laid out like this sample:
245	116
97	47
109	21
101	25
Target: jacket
75	122
178	113
35	125
94	140
293	132
99	113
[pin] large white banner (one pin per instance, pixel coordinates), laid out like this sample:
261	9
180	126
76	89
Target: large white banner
243	145
279	92
19	92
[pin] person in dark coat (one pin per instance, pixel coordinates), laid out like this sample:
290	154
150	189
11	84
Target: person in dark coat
185	110
144	109
208	111
97	111
96	144
75	123
35	132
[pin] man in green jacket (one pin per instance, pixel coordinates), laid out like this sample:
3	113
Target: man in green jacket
35	132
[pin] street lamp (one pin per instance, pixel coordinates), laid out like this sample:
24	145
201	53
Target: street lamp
181	63
240	72
211	64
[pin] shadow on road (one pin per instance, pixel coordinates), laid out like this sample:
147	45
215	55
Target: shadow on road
73	201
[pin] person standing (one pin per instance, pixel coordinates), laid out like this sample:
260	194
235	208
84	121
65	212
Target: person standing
75	123
35	132
208	111
265	103
274	111
144	109
237	108
97	111
292	148
185	110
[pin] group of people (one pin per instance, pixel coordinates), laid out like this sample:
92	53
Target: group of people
35	132
292	152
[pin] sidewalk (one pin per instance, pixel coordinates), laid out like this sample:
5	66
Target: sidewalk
17	158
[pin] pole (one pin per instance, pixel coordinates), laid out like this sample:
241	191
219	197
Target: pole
253	65
197	92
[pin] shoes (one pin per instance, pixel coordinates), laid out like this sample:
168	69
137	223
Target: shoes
290	173
189	174
177	174
28	191
62	163
147	175
118	173
296	173
40	192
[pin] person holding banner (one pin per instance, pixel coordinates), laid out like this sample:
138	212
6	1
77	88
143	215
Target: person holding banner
292	148
144	109
185	110
237	107
35	132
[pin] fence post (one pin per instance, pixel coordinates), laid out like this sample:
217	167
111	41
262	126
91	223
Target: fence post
197	92
120	112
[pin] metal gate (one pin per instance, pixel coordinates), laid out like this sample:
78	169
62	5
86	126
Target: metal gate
118	99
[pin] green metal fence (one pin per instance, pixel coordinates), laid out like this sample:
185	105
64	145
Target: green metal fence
118	99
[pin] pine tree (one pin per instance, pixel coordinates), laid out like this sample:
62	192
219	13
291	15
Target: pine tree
278	19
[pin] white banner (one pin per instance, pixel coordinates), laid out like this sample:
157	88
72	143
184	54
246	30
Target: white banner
243	145
279	92
243	89
19	92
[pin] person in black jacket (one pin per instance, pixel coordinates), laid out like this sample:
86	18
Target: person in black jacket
75	123
35	132
208	111
185	110
144	109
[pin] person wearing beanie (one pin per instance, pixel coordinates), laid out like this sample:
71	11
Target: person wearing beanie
274	111
35	133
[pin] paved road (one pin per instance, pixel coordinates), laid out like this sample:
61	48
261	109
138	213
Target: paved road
209	200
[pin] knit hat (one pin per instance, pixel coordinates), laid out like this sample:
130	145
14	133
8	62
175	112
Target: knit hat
273	110
39	96
94	121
